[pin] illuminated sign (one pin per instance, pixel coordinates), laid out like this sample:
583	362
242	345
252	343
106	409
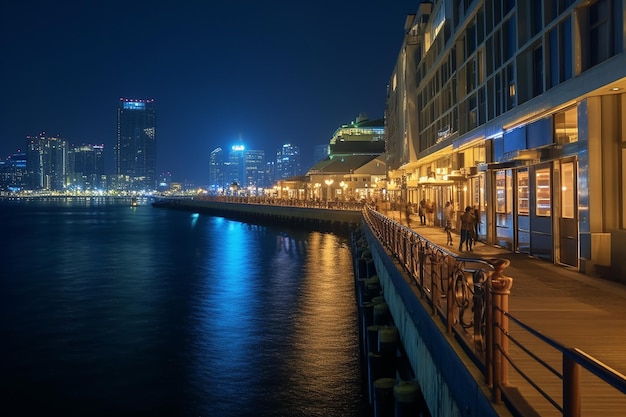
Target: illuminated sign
238	148
134	105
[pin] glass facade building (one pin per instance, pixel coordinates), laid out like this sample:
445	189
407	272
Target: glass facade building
135	149
517	109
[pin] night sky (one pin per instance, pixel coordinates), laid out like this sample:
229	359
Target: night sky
260	72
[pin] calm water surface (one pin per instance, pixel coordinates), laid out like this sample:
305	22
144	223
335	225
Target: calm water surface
111	310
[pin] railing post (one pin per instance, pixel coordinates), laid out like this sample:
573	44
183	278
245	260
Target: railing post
571	387
421	255
500	288
450	294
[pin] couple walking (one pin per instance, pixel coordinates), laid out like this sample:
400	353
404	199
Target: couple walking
469	223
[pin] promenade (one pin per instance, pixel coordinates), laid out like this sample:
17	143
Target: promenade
573	309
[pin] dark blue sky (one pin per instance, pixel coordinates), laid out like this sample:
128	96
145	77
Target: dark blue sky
263	72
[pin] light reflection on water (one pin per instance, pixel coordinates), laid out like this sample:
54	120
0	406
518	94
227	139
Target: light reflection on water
112	310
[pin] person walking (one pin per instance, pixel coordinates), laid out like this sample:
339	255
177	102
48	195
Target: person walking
467	228
422	212
448	213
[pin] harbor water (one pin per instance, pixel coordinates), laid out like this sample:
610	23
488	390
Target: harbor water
108	309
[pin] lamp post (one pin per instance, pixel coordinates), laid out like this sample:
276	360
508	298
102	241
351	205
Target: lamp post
344	186
328	183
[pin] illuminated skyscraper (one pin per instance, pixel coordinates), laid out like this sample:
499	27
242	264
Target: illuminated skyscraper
46	162
135	150
216	170
287	161
86	167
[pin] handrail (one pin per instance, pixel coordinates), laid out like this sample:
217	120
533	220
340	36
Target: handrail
441	274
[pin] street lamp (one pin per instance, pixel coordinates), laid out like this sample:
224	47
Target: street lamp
328	182
344	186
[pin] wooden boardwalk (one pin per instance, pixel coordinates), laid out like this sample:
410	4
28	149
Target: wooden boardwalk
573	309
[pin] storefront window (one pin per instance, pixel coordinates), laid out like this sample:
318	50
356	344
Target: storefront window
500	192
566	126
523	206
544	203
568	194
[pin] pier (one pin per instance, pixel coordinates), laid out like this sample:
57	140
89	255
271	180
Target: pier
486	333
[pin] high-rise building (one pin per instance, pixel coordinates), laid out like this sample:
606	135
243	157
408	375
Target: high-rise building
13	172
46	161
216	171
254	169
287	161
85	169
135	149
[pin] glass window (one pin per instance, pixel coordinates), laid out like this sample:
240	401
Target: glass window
567	62
523	194
501	191
601	41
568	192
544	201
553	59
566	126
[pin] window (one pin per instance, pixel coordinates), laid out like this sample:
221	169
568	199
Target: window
600	37
568	191
544	201
501	191
566	126
523	201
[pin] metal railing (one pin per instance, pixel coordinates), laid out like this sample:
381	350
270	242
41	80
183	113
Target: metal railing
470	296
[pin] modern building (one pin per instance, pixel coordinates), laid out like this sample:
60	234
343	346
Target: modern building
136	146
216	171
13	173
46	162
254	170
518	109
355	169
288	162
85	170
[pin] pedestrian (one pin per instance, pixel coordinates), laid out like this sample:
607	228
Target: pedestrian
476	213
422	212
448	213
467	227
408	214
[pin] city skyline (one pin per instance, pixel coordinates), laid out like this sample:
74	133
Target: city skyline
265	75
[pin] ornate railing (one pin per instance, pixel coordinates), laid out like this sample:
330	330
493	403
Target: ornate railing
470	296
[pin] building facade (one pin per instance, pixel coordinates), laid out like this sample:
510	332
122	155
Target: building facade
46	162
85	169
355	168
136	147
288	162
517	109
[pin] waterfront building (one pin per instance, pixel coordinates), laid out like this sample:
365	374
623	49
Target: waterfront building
288	161
355	168
85	169
216	171
46	162
517	109
13	173
136	148
254	170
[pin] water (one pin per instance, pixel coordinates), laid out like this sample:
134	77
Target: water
111	310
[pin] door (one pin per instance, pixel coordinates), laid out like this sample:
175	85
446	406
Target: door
503	208
568	221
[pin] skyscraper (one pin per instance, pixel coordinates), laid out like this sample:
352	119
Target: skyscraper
86	167
287	161
135	150
46	162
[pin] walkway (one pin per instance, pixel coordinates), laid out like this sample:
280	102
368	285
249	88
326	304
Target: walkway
574	309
